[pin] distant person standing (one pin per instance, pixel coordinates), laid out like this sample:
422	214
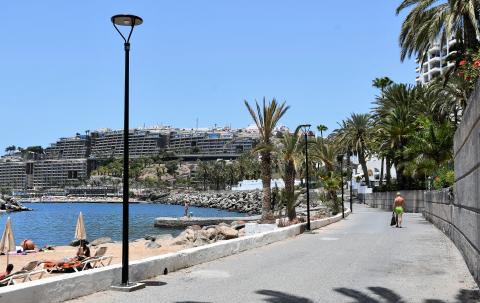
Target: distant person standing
398	208
185	208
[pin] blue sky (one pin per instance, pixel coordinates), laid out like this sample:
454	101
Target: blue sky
62	63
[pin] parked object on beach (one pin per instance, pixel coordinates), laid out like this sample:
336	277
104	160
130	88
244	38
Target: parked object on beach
7	243
80	232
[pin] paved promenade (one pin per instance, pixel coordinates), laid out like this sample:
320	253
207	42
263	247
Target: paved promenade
360	259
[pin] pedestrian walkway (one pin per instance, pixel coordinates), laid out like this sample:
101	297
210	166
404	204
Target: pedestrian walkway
360	259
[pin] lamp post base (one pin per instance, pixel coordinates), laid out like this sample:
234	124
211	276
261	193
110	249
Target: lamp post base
131	286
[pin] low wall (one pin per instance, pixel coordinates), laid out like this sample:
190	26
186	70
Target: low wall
414	200
70	286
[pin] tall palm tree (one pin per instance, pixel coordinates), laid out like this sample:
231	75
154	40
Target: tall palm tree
266	118
429	20
322	128
354	136
288	148
381	84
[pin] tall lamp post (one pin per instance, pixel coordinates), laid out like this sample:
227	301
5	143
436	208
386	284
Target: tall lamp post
306	129
340	160
351	182
128	21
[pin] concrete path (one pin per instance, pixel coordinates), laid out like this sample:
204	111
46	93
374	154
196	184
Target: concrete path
361	259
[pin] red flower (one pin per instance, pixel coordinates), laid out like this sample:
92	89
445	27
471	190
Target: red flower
468	78
476	63
462	62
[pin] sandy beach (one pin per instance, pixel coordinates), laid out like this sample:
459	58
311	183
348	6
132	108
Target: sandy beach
137	251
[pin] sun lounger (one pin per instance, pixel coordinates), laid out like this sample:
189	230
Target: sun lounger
98	260
23	275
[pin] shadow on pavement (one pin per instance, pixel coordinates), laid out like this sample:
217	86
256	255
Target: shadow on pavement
389	296
281	297
154	283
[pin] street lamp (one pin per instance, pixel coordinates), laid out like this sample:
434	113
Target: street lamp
129	21
349	163
306	129
340	160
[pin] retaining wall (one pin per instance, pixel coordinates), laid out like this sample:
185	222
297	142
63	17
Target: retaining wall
414	200
70	286
459	217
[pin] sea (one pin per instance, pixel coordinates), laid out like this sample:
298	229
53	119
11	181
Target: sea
54	223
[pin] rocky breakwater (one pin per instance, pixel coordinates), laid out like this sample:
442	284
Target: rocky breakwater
10	204
239	201
195	235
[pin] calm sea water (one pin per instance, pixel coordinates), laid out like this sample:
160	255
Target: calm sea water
54	223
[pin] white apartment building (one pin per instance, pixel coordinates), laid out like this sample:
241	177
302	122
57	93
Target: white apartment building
435	64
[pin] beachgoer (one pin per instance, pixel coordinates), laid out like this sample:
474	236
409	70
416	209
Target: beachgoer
398	207
7	272
83	251
185	208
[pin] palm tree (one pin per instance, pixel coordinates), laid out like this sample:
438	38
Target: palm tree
287	149
429	20
382	83
322	128
266	118
354	136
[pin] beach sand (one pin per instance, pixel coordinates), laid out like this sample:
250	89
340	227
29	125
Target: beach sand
137	251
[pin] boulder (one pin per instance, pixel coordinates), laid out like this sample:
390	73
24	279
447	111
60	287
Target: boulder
227	232
152	244
102	240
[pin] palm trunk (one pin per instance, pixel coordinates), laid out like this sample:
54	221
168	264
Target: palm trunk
381	171
289	180
267	214
363	163
388	175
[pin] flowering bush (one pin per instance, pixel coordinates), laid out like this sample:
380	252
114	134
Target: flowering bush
469	67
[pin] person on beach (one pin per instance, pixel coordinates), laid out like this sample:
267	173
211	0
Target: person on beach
83	251
185	208
8	271
398	208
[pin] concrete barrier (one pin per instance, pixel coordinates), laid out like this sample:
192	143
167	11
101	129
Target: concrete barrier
70	286
414	200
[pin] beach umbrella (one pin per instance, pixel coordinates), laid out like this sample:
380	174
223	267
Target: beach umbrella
80	233
8	241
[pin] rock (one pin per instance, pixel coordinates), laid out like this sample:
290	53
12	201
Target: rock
211	233
239	226
227	232
152	244
180	240
199	241
77	242
195	227
158	237
102	240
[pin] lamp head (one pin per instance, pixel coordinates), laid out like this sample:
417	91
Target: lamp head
126	20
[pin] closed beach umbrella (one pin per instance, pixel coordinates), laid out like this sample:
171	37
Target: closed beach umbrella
80	233
8	241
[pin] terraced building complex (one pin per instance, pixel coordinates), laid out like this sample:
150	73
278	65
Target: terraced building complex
71	160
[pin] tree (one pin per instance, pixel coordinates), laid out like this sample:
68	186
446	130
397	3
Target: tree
354	135
287	149
266	119
322	128
10	149
381	84
429	20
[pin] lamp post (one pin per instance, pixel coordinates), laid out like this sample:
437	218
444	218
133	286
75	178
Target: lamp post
340	159
129	21
306	129
351	182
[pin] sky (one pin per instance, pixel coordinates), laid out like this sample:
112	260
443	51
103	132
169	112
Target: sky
62	63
